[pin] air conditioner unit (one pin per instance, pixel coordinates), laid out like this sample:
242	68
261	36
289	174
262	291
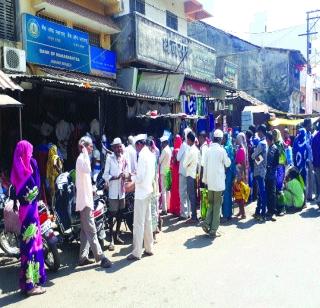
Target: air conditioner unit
14	60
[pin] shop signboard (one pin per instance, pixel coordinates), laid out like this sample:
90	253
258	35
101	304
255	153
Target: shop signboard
163	85
195	87
230	74
103	62
51	44
165	48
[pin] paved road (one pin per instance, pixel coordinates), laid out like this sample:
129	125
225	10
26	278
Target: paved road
275	264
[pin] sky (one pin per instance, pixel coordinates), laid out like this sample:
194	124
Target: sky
283	20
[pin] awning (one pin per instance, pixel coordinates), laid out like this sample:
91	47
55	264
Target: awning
7	84
86	82
170	116
79	15
8	101
286	122
257	109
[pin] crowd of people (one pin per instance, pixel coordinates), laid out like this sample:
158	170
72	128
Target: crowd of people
216	173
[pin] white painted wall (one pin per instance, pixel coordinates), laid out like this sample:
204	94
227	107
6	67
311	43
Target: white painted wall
156	11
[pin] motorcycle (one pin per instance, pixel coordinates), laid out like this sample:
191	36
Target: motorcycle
64	209
9	241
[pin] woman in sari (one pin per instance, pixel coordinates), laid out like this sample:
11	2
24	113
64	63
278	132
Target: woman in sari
281	168
300	153
26	182
242	160
174	166
54	168
230	173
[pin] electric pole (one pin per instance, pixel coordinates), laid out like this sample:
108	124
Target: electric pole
312	19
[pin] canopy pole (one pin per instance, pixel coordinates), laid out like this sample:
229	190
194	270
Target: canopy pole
20	124
100	116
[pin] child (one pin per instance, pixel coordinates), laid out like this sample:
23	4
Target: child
241	193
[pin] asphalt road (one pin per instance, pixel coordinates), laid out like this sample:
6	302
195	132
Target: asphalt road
275	264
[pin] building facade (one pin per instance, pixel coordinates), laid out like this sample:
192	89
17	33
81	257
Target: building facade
272	75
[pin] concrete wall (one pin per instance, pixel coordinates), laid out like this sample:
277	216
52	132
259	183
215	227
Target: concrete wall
156	11
265	73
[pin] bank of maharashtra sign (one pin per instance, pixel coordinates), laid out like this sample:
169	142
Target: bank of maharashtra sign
165	48
51	44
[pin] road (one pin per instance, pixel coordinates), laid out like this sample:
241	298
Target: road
275	264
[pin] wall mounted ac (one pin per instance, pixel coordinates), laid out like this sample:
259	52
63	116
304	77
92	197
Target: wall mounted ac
14	60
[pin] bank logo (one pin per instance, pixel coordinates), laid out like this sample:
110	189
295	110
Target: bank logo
33	28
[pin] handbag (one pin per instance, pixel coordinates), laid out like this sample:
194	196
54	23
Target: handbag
11	218
204	202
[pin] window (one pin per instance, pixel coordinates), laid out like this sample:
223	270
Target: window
138	6
57	21
94	38
172	21
7	20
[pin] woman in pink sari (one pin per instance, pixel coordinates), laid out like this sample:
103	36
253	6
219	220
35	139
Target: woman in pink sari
25	179
174	166
242	161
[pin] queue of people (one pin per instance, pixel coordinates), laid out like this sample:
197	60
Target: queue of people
229	170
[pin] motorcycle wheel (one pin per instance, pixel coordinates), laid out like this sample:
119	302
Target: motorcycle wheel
9	243
51	256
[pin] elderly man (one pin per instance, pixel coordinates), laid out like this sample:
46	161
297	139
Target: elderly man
84	204
190	164
142	224
164	164
131	154
184	200
115	172
214	176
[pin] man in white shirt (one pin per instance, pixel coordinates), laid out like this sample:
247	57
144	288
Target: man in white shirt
214	177
190	163
184	201
164	164
115	172
142	223
131	154
204	146
84	204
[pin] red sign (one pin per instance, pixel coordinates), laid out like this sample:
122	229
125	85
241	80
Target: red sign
196	87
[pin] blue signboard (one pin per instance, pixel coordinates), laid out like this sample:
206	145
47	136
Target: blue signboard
52	44
103	62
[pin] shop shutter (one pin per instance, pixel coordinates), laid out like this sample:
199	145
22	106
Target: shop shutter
7	20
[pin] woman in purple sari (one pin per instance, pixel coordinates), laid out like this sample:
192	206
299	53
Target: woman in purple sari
26	181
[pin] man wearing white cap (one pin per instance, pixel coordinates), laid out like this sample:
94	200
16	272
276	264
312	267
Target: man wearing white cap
131	154
164	164
142	223
214	175
115	172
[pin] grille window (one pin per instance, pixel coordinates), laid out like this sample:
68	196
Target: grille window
94	38
7	19
138	6
57	21
172	21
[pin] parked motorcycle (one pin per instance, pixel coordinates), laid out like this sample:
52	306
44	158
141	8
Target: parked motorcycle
64	208
9	241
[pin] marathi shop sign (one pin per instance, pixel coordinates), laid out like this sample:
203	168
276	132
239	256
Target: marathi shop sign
230	74
103	62
162	47
51	44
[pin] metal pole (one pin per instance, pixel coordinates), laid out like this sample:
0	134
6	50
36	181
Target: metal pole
100	117
20	124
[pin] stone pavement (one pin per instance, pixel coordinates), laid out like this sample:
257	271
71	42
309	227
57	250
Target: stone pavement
274	264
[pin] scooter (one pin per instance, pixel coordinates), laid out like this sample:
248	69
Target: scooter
64	209
9	241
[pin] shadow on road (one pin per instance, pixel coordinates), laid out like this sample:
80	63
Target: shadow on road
310	213
199	241
245	224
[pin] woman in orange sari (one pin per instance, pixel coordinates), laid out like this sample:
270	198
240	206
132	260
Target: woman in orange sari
174	166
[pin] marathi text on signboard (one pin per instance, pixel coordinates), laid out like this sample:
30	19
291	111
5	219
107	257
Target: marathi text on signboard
51	44
103	62
162	47
230	74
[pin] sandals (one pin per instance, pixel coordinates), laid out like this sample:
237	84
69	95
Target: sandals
36	291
